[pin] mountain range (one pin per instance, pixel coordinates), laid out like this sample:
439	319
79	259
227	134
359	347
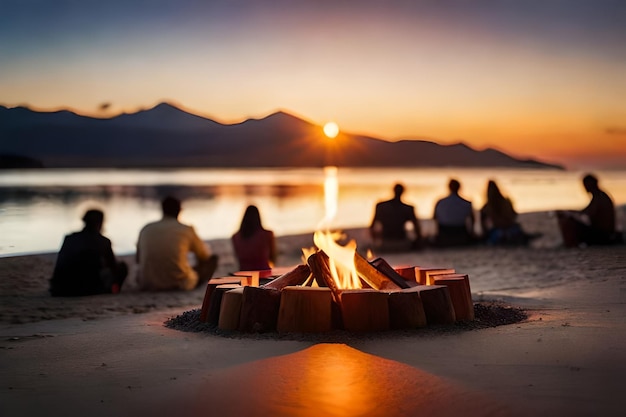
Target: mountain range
166	136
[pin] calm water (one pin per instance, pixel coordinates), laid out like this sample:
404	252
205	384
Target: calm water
37	208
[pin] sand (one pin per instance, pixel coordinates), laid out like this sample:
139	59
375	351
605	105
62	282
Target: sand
112	355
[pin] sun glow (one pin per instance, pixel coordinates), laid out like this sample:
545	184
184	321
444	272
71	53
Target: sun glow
331	130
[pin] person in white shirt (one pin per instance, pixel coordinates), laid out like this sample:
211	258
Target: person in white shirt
454	218
162	253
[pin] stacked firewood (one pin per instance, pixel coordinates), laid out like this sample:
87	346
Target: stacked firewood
308	299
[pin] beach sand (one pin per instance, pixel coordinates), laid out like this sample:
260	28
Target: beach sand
112	355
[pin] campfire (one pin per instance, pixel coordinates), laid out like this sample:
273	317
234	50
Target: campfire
337	288
328	294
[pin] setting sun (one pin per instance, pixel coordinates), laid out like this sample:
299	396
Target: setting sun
331	129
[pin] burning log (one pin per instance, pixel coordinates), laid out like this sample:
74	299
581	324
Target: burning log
424	273
406	310
305	310
355	309
364	310
370	274
385	268
437	304
320	268
294	277
460	294
230	310
259	309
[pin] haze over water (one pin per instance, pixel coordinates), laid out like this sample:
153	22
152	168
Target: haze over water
37	208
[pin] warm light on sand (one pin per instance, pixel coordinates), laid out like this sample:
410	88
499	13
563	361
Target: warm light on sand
333	380
331	130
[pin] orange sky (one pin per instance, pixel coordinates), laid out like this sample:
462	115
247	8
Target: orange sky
531	79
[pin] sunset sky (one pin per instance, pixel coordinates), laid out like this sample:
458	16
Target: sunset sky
534	78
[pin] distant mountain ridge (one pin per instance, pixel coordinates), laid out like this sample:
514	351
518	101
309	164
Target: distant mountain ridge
166	136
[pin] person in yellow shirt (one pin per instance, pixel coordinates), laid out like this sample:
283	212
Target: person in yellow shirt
162	253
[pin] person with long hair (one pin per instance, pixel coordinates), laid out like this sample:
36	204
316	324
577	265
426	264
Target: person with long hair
254	246
498	219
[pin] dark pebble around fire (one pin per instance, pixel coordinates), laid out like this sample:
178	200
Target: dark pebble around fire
487	314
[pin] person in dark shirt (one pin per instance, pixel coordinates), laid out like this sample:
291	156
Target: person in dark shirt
86	264
595	224
389	225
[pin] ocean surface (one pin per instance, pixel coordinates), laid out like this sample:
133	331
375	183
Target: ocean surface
39	207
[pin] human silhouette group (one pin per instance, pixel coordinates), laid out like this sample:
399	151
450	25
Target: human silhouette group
395	226
171	256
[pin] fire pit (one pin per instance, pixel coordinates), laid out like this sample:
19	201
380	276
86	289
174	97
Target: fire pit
323	295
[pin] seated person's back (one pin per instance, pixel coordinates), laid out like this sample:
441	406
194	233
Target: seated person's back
499	219
454	218
595	224
601	212
388	227
393	216
162	253
86	264
254	246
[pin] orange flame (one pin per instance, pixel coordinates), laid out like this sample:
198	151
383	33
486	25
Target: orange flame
341	258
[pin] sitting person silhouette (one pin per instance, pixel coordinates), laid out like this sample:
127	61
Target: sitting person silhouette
162	251
498	219
388	229
454	218
593	225
254	246
86	264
